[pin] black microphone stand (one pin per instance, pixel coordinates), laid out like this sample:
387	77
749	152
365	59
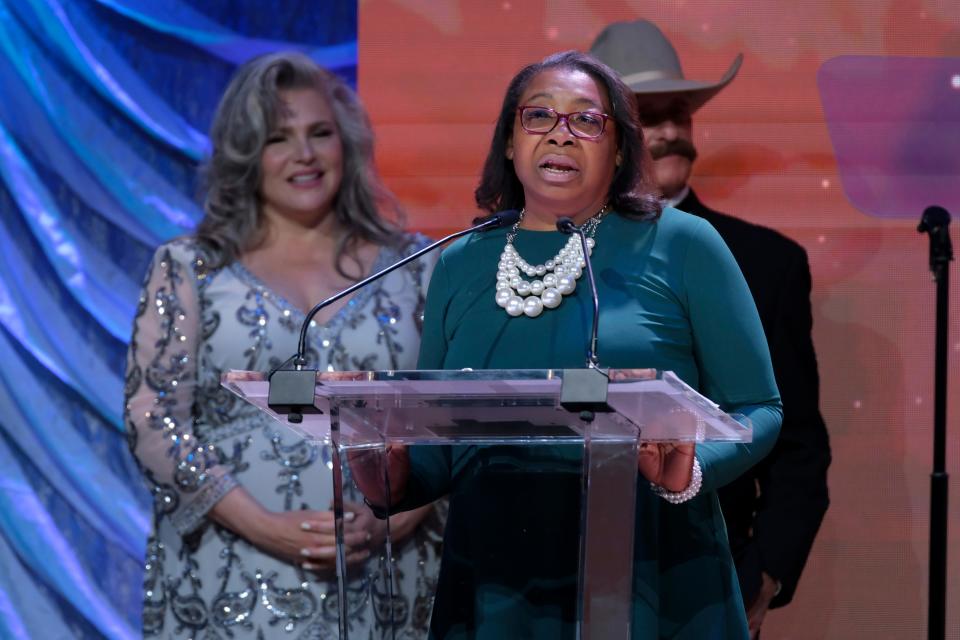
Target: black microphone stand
936	222
566	225
585	390
291	391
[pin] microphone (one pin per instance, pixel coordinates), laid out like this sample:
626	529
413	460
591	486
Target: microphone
936	222
291	391
584	391
567	226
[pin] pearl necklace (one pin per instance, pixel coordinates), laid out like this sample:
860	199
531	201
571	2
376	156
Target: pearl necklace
555	278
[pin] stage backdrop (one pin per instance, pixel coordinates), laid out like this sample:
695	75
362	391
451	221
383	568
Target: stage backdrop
843	124
104	105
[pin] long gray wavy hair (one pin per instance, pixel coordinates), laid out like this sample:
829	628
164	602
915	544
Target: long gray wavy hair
245	117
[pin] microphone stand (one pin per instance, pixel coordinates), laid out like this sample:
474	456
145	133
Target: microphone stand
566	225
585	390
936	222
291	391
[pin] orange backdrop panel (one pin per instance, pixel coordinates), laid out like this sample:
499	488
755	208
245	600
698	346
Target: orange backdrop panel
432	74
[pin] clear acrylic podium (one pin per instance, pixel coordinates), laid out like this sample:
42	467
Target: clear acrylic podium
365	411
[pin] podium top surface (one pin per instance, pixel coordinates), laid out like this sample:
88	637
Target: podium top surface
494	406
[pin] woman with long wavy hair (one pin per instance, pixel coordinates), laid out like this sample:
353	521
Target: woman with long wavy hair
242	541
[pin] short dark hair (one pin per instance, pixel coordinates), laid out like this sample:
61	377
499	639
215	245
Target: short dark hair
631	191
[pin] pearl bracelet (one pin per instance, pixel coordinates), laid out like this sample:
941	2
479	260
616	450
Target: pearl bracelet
676	497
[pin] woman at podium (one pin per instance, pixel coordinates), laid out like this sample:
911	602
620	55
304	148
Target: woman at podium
242	541
671	297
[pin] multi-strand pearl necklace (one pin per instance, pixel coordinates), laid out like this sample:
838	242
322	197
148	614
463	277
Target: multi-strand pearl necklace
555	278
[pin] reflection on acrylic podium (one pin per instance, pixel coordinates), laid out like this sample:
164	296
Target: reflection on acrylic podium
365	411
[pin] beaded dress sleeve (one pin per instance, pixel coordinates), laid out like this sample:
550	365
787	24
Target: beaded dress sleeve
183	472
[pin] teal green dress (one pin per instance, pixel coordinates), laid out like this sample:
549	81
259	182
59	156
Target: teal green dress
672	298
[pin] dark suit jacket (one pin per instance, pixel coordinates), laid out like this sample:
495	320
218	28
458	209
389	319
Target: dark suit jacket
773	511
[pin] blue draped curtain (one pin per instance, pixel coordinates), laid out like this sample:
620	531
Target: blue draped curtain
104	105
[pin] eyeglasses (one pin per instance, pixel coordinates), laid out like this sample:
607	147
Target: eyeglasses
582	124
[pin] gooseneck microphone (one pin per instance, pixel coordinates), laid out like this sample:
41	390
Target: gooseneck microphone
567	226
584	391
291	391
501	219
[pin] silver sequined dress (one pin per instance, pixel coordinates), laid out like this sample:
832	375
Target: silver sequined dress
195	441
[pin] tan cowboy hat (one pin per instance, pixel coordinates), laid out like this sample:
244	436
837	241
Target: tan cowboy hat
648	63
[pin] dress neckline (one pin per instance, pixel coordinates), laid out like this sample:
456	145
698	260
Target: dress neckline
357	301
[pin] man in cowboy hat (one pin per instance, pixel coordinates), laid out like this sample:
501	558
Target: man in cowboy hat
773	511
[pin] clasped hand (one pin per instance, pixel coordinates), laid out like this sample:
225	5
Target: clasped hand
308	538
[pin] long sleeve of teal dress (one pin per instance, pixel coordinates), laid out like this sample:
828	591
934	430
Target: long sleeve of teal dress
671	298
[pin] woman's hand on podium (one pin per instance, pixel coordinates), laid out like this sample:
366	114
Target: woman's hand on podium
632	374
667	464
370	467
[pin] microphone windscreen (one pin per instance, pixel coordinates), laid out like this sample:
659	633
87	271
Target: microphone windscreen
508	217
566	225
937	215
933	217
